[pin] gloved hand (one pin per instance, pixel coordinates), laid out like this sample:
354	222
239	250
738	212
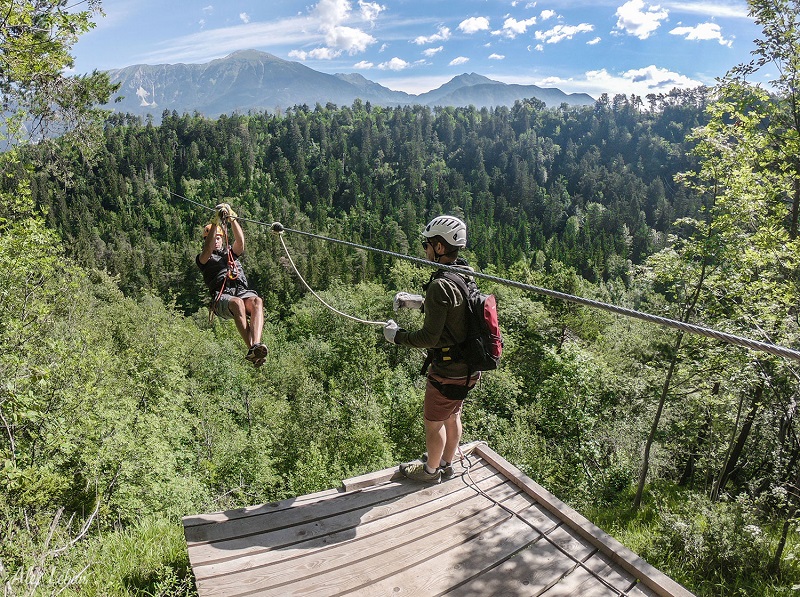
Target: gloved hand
224	212
404	300
390	330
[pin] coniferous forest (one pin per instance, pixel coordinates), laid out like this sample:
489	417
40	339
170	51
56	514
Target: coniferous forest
123	408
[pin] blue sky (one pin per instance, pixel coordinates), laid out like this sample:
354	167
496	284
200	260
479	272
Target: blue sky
589	46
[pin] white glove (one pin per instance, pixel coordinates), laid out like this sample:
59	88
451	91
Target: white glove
404	300
390	330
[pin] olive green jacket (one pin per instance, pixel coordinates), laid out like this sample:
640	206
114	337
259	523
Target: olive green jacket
445	324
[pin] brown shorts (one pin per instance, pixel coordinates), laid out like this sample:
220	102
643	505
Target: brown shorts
438	406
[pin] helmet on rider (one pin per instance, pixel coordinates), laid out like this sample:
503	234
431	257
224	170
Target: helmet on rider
450	228
208	228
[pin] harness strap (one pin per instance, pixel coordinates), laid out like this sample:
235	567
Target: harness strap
232	274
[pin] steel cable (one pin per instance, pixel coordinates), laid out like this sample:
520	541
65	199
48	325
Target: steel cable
774	349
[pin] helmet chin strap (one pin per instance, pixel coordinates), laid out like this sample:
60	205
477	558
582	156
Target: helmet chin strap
438	256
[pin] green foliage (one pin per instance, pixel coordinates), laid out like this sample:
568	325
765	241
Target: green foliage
527	179
123	409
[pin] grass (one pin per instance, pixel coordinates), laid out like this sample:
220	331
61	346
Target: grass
710	548
146	560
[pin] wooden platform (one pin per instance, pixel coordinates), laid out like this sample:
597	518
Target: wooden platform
489	531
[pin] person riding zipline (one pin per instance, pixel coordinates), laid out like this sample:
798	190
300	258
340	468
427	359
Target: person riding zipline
227	282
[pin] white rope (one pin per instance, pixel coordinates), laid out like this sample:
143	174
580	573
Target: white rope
319	298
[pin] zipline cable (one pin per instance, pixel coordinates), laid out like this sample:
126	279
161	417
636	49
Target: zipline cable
777	350
664	321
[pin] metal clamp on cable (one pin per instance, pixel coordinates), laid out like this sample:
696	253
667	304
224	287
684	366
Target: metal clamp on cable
276	228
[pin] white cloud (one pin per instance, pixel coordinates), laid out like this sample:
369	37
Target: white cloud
332	12
703	32
244	17
496	57
593	42
208	9
561	32
364	64
348	39
394	64
711	9
370	10
442	35
432	51
474	24
315	54
330	15
650	79
324	53
547	14
634	18
641	81
458	61
539	48
383	48
202	23
512	27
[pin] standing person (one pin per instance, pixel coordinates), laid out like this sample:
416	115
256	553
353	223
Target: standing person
227	282
444	327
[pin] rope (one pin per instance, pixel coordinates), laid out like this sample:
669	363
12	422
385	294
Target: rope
663	321
319	298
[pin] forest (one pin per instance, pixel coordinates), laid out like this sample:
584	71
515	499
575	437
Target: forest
123	408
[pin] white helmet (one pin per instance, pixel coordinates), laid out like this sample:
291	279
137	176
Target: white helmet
450	228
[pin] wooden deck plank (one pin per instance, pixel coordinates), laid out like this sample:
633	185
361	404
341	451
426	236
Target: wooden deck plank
226	515
384	535
584	581
369	552
650	576
263	519
533	569
333	535
437	572
361	565
592	579
280	537
266	520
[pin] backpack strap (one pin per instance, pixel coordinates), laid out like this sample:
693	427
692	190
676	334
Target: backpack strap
461	283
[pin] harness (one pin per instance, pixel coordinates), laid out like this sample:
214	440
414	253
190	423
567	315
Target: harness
231	275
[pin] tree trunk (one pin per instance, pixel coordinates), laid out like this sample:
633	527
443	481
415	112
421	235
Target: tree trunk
637	501
738	448
775	564
688	470
795	209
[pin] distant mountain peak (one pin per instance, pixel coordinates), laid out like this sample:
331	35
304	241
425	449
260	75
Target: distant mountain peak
473	79
252	80
251	55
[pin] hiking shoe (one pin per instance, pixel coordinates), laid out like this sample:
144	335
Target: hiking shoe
416	472
447	471
257	352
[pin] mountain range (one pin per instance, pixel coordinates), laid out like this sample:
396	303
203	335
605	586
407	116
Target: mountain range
250	80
